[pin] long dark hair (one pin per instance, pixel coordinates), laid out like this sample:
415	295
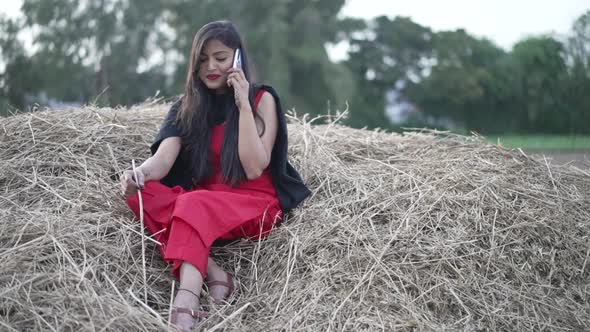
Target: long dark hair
196	116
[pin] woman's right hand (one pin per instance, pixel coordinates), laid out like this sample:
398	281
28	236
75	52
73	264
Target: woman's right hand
128	184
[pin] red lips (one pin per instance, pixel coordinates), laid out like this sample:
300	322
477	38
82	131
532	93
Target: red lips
213	77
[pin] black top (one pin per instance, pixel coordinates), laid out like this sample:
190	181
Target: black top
288	183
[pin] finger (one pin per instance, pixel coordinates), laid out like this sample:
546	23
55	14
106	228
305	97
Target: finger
233	81
127	191
242	75
130	190
129	175
237	80
230	79
131	183
141	179
135	185
233	76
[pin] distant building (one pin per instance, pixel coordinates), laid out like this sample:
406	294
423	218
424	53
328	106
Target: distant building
400	110
44	101
397	108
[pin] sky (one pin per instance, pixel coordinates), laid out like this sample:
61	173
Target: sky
503	21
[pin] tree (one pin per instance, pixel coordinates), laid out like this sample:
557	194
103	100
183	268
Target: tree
286	40
384	53
17	74
543	76
579	43
91	48
105	47
464	83
578	85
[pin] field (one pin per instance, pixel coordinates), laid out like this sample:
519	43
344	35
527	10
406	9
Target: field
543	142
579	158
557	150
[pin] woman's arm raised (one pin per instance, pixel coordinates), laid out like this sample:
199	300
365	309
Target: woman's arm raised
255	151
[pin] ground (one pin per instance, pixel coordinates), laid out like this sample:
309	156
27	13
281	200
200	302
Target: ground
576	158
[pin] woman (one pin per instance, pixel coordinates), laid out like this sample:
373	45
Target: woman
219	169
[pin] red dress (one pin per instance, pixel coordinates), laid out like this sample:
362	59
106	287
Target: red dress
186	223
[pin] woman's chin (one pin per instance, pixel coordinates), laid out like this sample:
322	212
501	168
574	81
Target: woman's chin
218	87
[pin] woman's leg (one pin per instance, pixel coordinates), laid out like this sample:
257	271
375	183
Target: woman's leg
255	229
187	296
216	273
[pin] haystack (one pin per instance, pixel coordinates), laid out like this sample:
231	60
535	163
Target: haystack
424	231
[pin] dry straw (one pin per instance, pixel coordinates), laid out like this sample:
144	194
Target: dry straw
426	231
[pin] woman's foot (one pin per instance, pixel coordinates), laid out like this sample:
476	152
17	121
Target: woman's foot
185	310
220	286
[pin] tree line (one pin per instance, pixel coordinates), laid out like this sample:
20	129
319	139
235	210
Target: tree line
120	52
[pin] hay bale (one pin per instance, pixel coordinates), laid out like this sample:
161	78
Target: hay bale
425	231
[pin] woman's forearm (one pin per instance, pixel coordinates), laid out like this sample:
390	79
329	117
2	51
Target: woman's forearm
157	166
251	151
154	169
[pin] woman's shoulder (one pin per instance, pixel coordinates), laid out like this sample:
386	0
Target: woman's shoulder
172	114
176	103
267	94
257	87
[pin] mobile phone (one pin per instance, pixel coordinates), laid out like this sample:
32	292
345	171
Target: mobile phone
237	59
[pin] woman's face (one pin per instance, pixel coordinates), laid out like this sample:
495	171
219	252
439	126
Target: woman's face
215	60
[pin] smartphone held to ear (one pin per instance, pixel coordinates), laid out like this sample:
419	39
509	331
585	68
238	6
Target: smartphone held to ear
237	59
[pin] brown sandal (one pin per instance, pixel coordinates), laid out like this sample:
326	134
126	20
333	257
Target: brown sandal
230	284
197	314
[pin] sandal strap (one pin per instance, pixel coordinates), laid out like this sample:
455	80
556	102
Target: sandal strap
192	312
229	283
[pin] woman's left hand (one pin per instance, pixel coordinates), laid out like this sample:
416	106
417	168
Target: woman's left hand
237	80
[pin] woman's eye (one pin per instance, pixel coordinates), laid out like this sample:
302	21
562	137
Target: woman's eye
221	60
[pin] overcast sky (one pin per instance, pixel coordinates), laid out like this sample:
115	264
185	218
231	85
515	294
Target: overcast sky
503	21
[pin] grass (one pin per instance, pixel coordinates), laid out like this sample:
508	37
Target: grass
543	142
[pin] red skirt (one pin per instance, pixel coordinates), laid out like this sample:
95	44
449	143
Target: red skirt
186	223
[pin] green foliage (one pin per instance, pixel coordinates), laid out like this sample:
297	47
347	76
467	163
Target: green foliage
107	51
17	74
284	38
578	82
543	142
386	52
83	50
96	48
454	78
542	74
